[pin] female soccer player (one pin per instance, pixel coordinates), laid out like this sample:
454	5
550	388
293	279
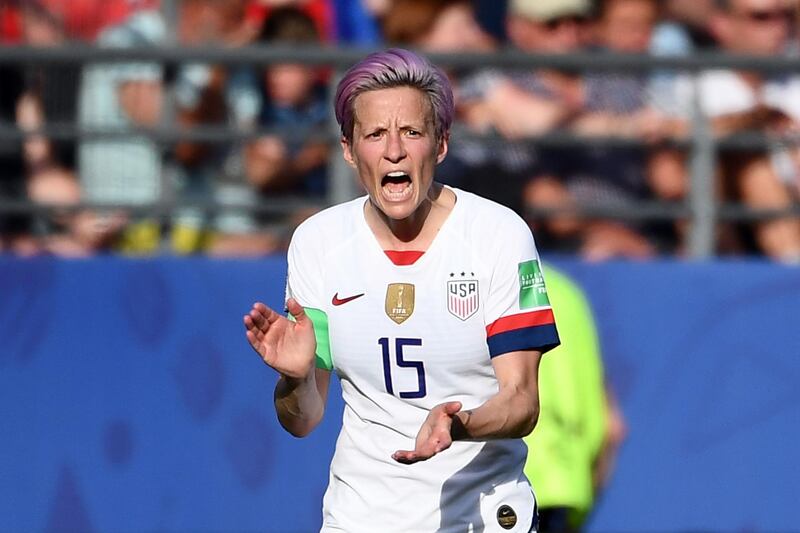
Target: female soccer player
429	304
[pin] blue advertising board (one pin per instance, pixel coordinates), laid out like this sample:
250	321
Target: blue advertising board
130	400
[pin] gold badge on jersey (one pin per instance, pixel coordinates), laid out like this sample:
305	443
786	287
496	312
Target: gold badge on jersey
399	301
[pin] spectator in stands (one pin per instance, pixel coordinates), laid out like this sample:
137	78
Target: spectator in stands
121	97
67	232
50	98
283	96
535	102
33	98
213	95
616	104
523	103
444	26
14	228
749	101
294	100
51	91
530	103
324	13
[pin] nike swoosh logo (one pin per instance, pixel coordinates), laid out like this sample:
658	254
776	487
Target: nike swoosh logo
337	301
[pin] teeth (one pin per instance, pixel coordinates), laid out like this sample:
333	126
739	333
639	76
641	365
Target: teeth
396	174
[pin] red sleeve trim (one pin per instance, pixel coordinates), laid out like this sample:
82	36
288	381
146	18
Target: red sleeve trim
524	320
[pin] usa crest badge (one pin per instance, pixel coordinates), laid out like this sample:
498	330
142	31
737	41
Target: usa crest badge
462	298
399	301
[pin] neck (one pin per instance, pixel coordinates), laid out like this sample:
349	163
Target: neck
418	230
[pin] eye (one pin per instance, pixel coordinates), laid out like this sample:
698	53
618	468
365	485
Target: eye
375	134
413	133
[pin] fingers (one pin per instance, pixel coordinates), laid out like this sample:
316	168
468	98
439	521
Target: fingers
260	316
252	328
253	340
451	408
406	457
424	453
296	310
257	324
434	436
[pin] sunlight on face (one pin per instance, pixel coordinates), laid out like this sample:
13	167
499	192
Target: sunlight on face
394	149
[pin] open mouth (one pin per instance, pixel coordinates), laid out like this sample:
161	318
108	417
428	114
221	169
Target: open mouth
396	185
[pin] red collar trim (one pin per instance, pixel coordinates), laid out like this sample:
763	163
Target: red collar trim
403	257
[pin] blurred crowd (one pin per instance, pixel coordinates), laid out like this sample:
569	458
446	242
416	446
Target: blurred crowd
503	110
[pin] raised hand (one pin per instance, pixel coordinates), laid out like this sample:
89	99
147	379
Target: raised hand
286	346
434	436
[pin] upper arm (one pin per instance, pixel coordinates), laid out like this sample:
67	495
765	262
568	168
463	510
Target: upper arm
518	315
518	370
306	286
517	376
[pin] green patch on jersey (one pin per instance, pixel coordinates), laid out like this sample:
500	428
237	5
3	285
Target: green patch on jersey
532	292
320	321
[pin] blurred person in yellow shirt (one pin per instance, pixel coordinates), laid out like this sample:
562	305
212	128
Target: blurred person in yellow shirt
572	450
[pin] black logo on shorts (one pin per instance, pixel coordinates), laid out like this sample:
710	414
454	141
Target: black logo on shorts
506	517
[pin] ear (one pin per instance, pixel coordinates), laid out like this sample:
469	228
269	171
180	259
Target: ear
347	152
441	151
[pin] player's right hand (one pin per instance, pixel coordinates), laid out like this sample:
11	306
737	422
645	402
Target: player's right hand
286	346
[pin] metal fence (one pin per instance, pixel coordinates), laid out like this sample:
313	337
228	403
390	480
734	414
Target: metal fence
701	208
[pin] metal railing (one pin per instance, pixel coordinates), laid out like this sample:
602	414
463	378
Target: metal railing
700	207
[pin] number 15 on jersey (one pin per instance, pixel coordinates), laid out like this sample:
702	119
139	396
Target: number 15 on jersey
399	361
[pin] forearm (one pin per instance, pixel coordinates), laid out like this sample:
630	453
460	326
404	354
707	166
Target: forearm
511	413
299	404
758	117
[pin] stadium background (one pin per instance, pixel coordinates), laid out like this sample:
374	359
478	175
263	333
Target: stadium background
129	400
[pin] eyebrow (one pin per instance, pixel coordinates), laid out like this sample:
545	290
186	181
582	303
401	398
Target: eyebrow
384	126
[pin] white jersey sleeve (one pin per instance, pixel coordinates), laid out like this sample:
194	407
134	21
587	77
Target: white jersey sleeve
518	313
304	283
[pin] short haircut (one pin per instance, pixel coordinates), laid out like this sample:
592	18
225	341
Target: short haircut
391	68
289	25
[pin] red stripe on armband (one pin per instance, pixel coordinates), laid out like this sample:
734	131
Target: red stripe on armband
539	317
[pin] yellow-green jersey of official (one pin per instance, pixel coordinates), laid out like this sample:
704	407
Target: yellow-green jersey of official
572	419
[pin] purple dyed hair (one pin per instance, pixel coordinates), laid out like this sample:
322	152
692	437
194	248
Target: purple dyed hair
390	68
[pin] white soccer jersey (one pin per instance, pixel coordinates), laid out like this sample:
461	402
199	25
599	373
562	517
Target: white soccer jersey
405	338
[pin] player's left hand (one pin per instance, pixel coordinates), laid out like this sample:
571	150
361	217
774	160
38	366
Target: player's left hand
434	436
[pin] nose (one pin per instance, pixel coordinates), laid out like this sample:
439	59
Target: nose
395	150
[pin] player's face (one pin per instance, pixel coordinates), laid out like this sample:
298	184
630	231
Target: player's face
394	149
